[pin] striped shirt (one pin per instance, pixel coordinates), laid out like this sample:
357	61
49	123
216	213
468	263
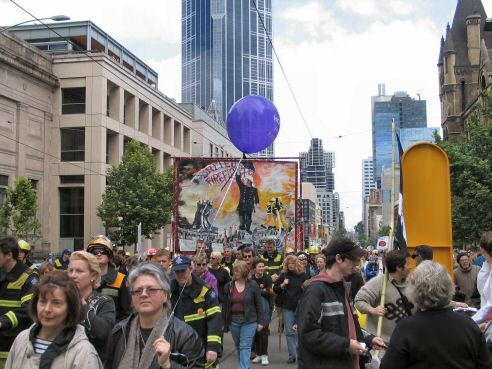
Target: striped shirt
40	346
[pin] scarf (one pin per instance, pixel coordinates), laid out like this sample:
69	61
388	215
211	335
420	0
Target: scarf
56	348
133	358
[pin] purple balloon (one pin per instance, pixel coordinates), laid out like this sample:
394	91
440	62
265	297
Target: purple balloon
253	123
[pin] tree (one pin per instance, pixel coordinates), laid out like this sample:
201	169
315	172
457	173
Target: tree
384	231
470	160
360	233
18	213
136	193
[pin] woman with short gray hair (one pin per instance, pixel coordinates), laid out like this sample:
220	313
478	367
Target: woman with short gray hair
435	337
144	340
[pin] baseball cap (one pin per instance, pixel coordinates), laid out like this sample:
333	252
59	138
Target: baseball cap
344	246
180	263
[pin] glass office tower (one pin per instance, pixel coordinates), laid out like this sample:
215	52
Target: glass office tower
226	53
409	115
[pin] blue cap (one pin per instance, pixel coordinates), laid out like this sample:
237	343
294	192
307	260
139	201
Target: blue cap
181	262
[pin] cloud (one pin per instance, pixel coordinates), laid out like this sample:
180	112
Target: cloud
367	8
169	71
123	20
313	19
333	80
401	7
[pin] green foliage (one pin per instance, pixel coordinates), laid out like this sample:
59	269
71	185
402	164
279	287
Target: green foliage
136	192
18	213
384	231
360	233
372	241
470	160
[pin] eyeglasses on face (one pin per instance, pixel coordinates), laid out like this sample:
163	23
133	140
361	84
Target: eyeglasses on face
99	252
151	291
248	256
201	264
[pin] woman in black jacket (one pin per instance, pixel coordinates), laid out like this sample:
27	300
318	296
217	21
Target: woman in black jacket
243	311
435	337
264	281
99	311
288	288
145	339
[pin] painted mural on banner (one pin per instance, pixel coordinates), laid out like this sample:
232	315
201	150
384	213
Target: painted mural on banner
235	202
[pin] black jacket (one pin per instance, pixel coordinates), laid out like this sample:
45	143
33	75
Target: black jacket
437	339
324	335
114	284
289	296
198	305
253	305
99	319
15	295
183	339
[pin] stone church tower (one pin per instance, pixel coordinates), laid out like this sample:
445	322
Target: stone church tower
464	63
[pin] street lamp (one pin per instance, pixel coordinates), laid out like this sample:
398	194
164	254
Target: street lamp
55	18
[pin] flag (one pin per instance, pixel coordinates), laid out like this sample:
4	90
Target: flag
139	240
401	233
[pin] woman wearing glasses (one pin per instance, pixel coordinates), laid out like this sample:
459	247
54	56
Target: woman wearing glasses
289	287
200	269
99	310
56	340
146	338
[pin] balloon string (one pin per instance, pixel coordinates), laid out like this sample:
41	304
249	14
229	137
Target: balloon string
228	188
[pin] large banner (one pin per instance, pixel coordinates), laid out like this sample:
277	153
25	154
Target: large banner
234	202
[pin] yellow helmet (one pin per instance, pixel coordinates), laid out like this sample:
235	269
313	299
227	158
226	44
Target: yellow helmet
101	242
289	250
313	250
24	245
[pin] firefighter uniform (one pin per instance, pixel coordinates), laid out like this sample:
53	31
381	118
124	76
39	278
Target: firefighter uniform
114	285
199	307
15	294
273	263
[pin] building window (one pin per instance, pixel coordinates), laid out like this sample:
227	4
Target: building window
72	144
72	217
4	184
72	179
73	100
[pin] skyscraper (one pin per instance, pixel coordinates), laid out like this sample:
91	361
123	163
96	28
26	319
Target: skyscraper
317	168
226	54
407	112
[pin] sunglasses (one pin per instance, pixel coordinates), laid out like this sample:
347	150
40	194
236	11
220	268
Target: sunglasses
99	253
200	264
152	291
248	256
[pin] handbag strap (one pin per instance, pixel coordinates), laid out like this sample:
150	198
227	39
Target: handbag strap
404	300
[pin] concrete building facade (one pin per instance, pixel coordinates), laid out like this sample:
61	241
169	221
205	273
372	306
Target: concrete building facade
27	90
69	115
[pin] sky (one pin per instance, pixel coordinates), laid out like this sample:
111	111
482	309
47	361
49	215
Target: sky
334	53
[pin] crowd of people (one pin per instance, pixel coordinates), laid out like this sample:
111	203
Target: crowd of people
103	308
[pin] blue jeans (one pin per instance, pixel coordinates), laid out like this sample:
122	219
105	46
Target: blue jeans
242	334
290	333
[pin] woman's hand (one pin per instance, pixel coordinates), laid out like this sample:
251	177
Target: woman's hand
163	350
259	328
378	343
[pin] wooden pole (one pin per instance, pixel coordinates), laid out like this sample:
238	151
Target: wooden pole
392	227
